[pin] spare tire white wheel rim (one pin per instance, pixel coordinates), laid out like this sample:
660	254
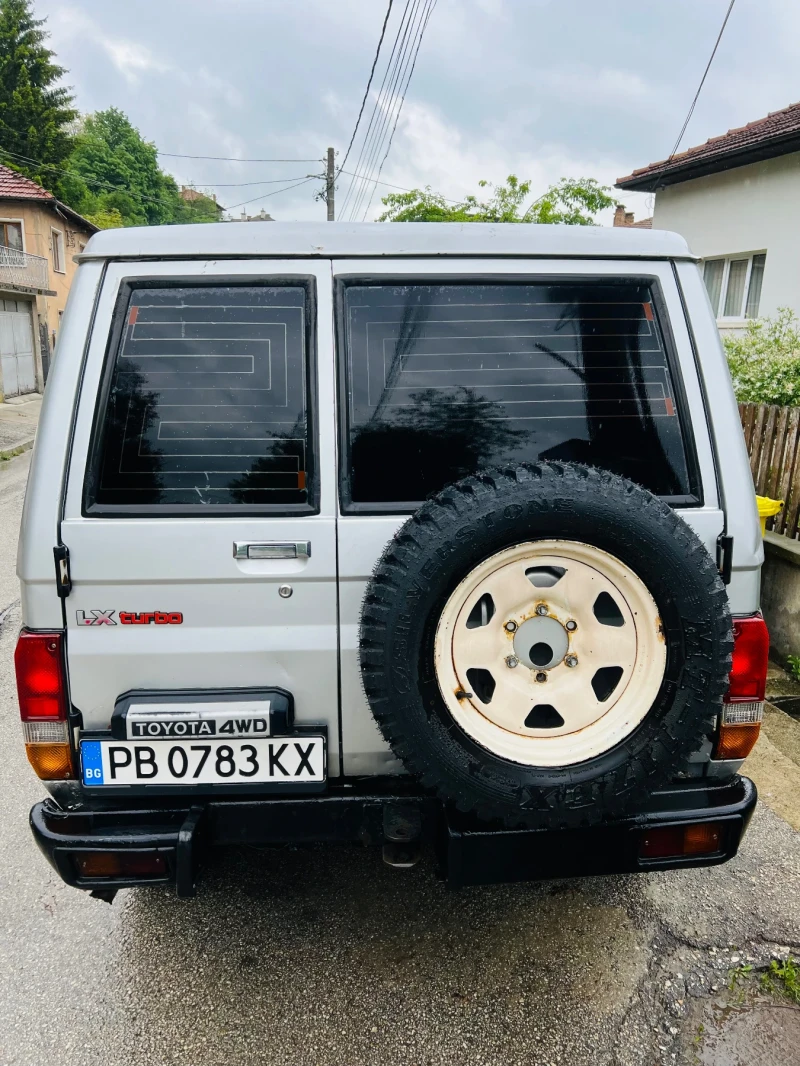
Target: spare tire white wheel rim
550	653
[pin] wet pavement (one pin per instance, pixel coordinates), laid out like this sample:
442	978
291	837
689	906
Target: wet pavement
327	957
760	1031
19	417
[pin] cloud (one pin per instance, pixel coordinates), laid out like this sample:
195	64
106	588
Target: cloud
608	87
428	150
134	60
200	101
130	58
541	88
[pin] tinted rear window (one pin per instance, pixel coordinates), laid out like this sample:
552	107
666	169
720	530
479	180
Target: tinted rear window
207	403
444	380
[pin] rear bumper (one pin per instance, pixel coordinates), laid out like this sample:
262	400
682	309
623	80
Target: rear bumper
469	852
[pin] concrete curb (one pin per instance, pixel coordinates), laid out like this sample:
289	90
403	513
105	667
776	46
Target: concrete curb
9	453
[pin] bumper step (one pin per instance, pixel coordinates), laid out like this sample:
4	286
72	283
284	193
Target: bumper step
164	844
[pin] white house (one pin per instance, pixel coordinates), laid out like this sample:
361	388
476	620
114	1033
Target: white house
736	200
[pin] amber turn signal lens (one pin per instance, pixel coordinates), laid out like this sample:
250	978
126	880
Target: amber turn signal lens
736	741
701	839
52	762
672	841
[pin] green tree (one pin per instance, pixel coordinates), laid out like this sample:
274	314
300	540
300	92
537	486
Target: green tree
35	112
114	178
570	202
765	360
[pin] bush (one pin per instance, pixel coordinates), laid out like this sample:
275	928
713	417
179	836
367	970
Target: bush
765	360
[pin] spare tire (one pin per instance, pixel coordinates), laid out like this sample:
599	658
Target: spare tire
545	645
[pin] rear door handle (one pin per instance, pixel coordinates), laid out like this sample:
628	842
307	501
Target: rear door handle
271	549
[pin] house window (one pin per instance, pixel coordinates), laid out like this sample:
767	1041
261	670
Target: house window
754	288
58	250
734	285
11	235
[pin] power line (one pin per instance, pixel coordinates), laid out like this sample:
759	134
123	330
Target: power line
401	188
381	106
392	111
142	196
702	80
81	177
386	111
233	159
311	177
356	181
431	6
369	83
243	184
386	107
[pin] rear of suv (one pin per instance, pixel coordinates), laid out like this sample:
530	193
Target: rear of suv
404	535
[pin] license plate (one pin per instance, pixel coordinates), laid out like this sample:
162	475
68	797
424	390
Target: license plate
288	760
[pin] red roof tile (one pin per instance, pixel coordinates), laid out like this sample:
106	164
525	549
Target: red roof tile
14	185
776	134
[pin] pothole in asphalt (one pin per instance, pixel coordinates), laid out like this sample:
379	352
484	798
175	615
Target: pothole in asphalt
755	1021
762	1032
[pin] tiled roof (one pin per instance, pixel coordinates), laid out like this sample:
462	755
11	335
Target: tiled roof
15	186
774	135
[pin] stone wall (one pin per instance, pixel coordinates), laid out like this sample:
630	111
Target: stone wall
780	594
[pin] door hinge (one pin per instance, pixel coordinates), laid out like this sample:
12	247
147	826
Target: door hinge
63	575
725	557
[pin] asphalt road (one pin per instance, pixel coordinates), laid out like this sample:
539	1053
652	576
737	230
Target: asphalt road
327	957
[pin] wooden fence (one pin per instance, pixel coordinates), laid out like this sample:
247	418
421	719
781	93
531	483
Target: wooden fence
772	435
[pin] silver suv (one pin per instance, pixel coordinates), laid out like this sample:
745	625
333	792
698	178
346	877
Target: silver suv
436	537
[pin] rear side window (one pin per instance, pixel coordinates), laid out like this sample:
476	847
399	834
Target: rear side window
444	380
206	402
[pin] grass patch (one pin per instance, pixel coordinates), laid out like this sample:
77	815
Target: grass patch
10	453
738	975
783	978
793	662
780	978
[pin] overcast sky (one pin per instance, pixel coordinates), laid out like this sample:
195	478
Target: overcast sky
541	88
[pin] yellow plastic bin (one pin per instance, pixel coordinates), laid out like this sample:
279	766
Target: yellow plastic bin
767	508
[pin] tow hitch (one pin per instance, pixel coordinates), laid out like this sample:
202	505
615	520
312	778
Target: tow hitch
104	849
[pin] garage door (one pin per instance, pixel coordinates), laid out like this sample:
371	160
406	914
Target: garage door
17	368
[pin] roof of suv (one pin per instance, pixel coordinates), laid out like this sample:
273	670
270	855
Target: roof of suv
375	239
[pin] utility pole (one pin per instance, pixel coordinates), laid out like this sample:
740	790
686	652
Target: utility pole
330	186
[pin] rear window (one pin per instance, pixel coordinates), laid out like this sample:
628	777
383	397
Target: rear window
444	380
206	402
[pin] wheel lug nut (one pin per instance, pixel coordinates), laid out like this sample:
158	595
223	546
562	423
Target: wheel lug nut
510	627
571	660
512	661
541	676
571	626
542	609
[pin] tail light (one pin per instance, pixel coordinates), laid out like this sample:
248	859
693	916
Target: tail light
42	690
127	864
743	706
